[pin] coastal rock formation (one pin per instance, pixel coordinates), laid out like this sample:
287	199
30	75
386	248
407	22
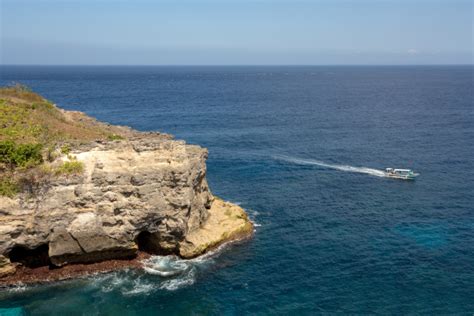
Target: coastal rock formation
6	268
226	221
144	192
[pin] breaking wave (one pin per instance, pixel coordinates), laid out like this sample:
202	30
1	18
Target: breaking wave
159	273
347	168
165	266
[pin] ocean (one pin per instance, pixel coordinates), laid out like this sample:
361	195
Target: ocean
301	149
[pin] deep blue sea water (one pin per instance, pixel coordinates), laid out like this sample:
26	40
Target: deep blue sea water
299	148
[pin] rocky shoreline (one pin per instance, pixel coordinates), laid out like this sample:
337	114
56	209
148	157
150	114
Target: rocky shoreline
136	194
47	274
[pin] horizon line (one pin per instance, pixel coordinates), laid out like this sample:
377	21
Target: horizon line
227	65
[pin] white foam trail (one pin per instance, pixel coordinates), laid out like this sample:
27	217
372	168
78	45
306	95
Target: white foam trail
347	168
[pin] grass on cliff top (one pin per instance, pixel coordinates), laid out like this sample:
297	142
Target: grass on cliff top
26	117
33	130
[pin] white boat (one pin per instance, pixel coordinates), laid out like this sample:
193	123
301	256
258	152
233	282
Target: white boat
404	174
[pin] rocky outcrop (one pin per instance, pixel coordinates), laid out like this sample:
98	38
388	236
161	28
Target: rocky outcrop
226	221
148	192
6	267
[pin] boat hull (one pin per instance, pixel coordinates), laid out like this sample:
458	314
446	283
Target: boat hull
401	177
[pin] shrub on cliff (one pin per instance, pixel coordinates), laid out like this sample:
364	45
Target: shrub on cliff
20	155
31	128
70	167
8	187
115	137
66	149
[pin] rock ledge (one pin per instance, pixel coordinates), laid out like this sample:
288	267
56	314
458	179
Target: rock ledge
147	193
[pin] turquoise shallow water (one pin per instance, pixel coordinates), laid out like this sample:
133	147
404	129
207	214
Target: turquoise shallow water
300	148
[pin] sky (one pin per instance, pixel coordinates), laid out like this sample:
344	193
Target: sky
236	32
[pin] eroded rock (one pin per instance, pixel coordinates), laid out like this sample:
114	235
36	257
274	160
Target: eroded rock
6	267
145	185
226	222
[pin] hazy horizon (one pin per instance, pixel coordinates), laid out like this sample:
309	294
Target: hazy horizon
237	65
236	33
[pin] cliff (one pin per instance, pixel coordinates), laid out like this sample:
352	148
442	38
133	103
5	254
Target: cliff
99	192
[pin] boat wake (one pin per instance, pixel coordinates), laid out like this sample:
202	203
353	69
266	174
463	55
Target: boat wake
347	168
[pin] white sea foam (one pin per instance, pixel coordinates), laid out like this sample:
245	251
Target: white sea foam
186	279
18	288
161	273
347	168
253	217
111	281
125	283
139	286
165	266
174	272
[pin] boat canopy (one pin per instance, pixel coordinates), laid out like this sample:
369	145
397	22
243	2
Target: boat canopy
402	170
399	171
405	174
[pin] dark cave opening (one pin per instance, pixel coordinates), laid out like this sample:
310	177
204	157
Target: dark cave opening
31	258
149	243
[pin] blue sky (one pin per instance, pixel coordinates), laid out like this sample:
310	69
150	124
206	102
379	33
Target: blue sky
235	32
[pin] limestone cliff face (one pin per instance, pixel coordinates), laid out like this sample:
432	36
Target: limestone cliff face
147	192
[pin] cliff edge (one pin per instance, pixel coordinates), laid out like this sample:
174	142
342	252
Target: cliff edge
87	192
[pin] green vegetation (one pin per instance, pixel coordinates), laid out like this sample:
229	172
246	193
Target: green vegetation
22	92
66	149
8	187
26	117
115	137
34	131
20	155
70	167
